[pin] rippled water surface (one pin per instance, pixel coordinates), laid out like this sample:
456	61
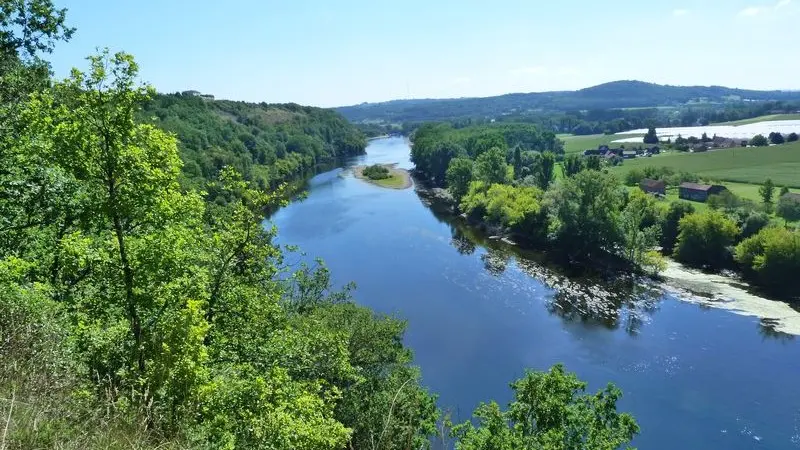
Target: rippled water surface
695	377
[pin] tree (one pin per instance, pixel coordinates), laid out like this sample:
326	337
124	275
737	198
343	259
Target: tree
705	138
542	169
792	137
784	191
704	239
759	141
593	162
788	208
772	258
754	223
584	214
640	229
669	225
459	175
491	167
776	138
572	165
550	411
651	137
766	191
517	162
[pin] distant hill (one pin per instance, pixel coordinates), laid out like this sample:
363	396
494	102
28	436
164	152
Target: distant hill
617	94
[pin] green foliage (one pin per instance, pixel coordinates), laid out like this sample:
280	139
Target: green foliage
584	213
784	191
670	224
772	258
542	169
704	239
516	207
128	298
593	162
641	231
459	176
435	145
755	222
788	208
491	167
268	144
651	137
766	191
634	177
776	138
759	141
550	411
572	165
792	137
376	172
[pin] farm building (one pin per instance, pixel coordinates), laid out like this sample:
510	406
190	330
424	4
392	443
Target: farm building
699	192
653	186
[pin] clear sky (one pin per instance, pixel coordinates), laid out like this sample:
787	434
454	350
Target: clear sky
341	52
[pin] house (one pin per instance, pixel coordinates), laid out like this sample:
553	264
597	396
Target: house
629	154
653	186
191	93
699	192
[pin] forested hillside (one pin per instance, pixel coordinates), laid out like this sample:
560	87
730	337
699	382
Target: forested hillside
267	143
610	96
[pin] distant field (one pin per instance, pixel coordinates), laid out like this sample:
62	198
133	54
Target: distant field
762	119
781	163
577	144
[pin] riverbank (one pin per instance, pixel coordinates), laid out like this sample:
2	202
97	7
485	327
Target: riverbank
398	178
720	291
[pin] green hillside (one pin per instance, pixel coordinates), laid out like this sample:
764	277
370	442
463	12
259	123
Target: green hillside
268	143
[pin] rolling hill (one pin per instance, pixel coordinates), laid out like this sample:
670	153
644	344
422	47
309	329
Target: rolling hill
617	94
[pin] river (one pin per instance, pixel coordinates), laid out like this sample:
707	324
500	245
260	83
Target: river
479	313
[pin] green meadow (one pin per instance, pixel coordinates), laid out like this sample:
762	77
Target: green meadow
781	163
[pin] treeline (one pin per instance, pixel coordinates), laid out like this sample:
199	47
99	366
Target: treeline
267	143
582	211
134	313
436	145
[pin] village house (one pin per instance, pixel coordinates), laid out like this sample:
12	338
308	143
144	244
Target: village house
653	186
699	192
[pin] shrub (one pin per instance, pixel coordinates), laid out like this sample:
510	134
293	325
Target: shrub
771	258
792	137
704	239
759	141
376	172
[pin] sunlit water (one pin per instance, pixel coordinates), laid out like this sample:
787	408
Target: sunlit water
478	314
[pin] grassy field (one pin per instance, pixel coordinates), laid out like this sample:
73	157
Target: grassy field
781	163
577	144
395	181
763	119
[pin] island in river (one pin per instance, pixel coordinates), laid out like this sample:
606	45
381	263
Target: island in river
398	178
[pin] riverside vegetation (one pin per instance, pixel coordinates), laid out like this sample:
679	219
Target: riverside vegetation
505	176
143	304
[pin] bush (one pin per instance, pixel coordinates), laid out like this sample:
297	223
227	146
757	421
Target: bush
669	224
754	223
634	177
776	138
376	172
704	239
771	258
788	208
759	141
792	137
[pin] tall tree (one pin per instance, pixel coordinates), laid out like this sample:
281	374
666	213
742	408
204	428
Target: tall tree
767	190
459	175
491	167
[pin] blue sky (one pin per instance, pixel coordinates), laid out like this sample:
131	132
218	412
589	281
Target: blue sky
340	52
